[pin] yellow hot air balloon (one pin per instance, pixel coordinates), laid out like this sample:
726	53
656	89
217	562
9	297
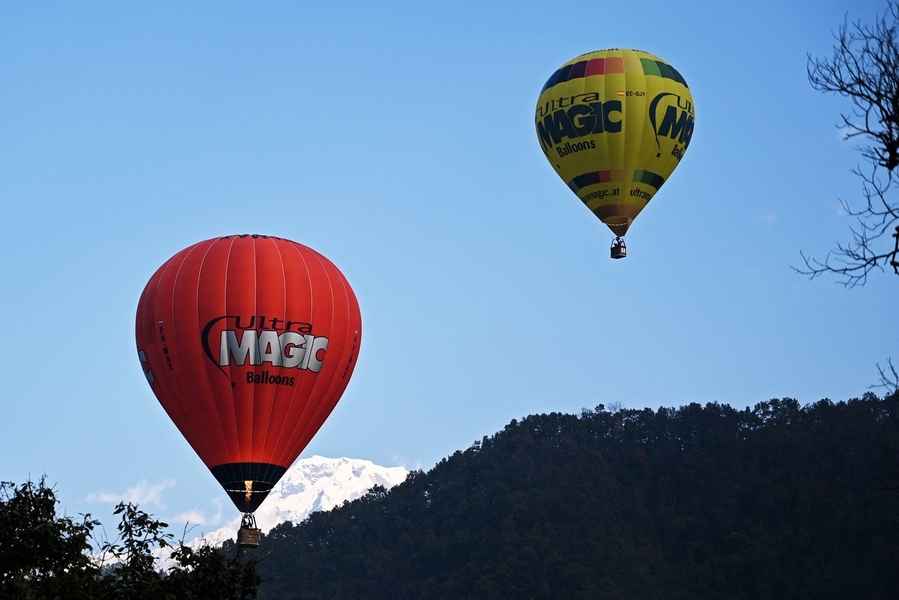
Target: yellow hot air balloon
614	124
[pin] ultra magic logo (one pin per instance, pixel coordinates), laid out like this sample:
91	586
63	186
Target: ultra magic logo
233	340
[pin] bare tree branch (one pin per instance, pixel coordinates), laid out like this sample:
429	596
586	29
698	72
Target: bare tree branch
864	69
889	377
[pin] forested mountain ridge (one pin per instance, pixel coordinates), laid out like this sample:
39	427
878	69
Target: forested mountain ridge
777	501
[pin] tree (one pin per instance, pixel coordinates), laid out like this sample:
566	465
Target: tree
43	555
889	376
865	69
776	501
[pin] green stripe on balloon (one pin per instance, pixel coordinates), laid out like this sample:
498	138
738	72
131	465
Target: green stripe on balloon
660	69
650	67
649	178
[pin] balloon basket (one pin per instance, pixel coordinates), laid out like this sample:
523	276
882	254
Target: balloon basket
248	535
618	249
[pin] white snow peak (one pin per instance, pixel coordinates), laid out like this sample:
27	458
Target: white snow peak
311	484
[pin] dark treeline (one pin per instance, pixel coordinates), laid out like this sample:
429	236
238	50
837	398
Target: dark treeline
778	501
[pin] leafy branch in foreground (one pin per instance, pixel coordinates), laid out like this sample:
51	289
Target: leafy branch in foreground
43	555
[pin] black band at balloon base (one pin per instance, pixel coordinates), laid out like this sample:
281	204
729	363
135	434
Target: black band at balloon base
248	484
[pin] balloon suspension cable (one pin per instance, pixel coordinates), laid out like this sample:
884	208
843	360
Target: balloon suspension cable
618	249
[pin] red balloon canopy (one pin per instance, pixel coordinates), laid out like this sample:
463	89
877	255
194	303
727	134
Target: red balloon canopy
248	342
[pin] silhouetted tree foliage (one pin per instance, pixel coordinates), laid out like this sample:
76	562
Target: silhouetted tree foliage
44	555
777	501
864	69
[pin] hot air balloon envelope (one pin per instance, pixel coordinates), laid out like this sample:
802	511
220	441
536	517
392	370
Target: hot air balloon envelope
614	124
248	342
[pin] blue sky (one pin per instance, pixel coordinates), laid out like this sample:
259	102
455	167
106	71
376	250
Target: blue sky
398	141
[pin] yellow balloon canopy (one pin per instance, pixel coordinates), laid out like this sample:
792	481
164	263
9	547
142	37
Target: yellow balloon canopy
614	124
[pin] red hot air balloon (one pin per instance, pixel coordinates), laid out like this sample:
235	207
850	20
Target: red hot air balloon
248	342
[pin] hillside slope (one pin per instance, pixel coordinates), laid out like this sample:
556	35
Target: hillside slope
779	501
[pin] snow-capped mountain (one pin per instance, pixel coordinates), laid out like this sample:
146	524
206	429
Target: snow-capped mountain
312	484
